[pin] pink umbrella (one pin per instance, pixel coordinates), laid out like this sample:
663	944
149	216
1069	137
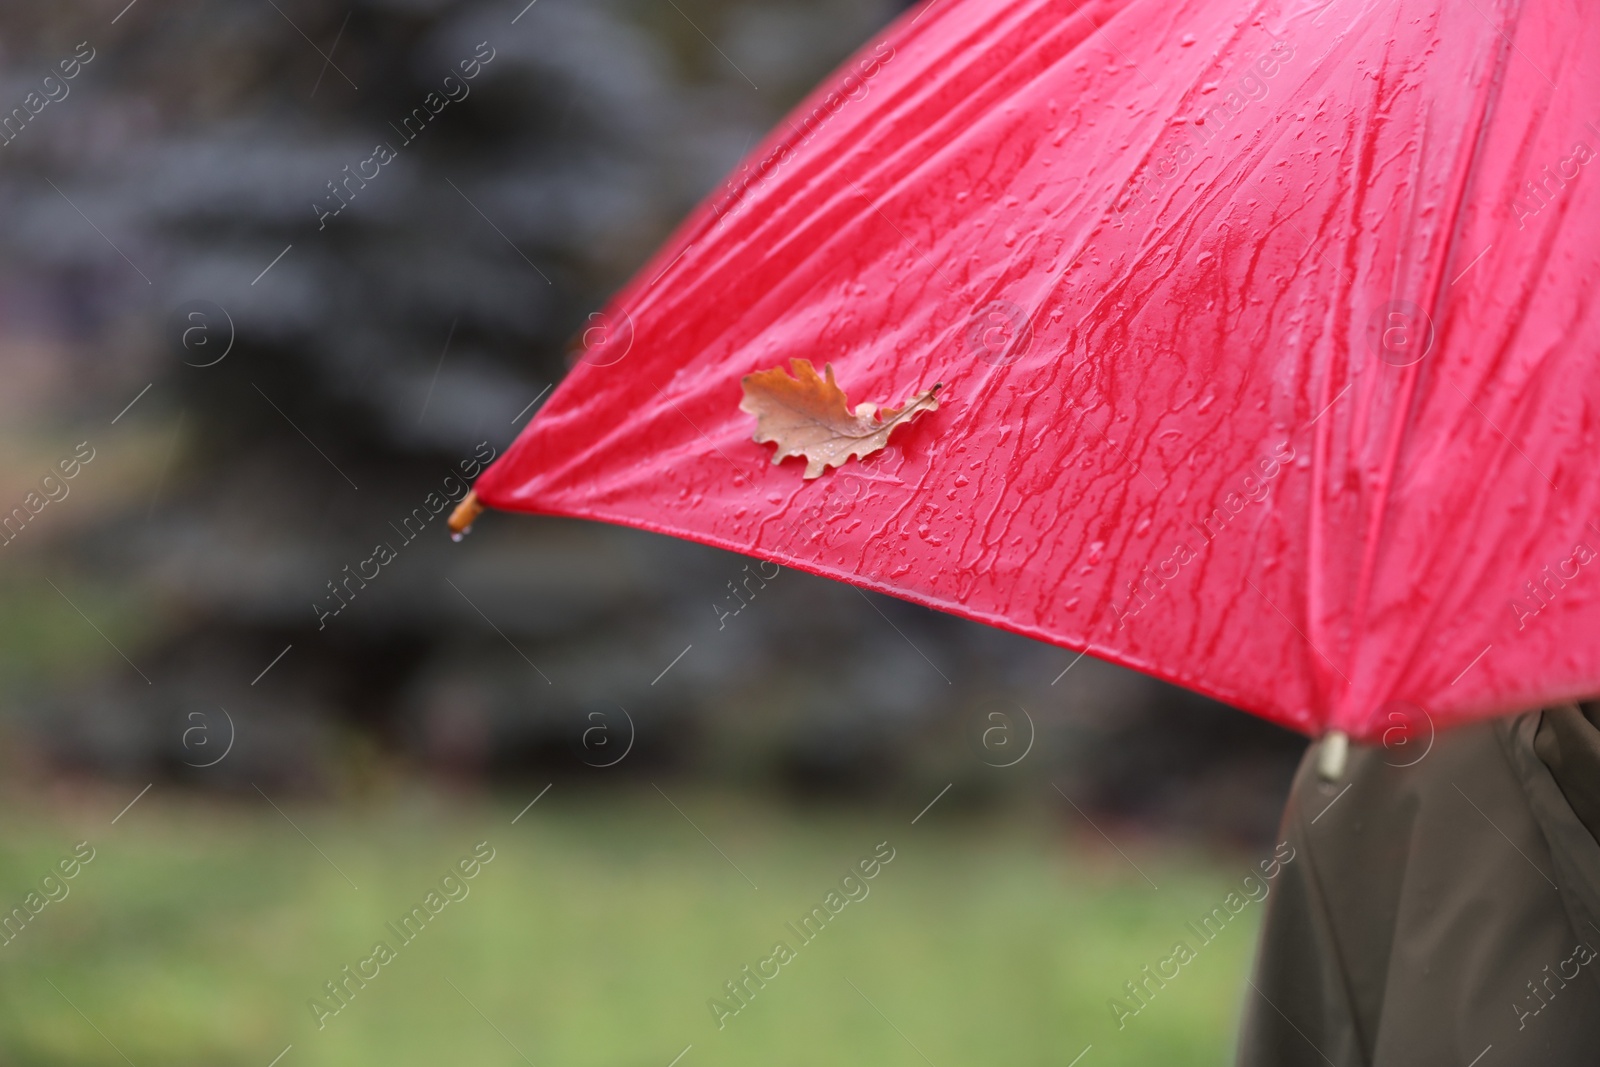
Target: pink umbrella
1268	357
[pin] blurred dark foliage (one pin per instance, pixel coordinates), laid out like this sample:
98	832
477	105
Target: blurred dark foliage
381	349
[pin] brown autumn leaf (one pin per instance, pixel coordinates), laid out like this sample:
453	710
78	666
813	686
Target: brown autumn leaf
808	415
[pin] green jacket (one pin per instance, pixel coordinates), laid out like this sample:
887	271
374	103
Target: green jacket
1444	913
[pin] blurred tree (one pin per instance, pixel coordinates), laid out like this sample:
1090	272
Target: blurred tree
388	311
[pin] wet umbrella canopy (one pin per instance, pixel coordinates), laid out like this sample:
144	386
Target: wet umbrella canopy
1267	356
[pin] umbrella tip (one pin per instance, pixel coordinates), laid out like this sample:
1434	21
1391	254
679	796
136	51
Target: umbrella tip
1333	755
462	517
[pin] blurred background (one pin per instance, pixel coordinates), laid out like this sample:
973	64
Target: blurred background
264	389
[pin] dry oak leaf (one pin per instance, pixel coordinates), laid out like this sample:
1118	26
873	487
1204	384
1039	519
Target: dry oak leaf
809	416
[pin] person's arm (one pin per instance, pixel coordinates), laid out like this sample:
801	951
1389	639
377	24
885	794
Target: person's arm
1298	1007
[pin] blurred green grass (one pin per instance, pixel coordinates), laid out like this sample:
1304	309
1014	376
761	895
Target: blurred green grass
598	933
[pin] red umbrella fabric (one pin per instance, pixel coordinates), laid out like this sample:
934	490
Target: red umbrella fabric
1269	365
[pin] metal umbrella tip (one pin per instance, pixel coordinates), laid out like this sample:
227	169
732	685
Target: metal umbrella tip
462	517
1333	755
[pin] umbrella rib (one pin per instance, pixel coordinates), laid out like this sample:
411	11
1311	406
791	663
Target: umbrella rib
1361	145
1465	183
1512	44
